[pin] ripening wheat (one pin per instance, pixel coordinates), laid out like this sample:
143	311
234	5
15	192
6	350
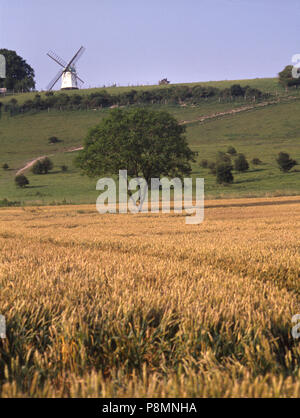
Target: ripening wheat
145	305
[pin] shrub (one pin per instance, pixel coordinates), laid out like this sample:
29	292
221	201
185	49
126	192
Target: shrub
37	167
240	163
236	90
204	164
285	162
222	157
5	166
42	166
7	203
256	161
53	140
224	173
21	181
231	151
48	165
212	167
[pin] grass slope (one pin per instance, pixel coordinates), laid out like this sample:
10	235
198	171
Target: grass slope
258	133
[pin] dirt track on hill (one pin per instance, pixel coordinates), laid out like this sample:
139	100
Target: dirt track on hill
32	162
29	165
229	112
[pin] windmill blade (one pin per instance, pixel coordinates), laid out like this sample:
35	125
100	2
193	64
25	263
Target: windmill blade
81	81
76	57
57	59
77	80
55	80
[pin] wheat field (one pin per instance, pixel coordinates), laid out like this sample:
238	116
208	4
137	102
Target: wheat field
146	306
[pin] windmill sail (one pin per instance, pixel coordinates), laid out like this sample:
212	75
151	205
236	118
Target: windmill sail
76	57
57	59
55	80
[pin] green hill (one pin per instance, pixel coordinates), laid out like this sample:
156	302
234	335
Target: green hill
261	132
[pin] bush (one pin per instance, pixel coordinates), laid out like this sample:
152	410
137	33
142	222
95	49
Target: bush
204	164
64	168
5	166
256	161
212	167
231	151
53	140
222	157
224	173
37	167
21	181
240	163
285	162
42	166
5	203
48	165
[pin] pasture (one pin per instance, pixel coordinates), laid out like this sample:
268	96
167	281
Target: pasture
258	133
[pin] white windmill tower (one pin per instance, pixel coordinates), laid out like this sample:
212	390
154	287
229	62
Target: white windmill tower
68	72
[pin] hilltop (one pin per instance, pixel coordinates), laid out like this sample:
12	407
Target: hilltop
268	85
257	129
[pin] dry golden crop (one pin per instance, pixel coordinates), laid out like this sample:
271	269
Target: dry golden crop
145	305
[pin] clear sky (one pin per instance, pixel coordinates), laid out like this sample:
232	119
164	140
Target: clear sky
142	41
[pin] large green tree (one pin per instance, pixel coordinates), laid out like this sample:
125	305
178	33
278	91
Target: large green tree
286	78
144	142
19	74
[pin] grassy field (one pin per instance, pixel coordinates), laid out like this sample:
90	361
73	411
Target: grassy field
258	133
262	133
144	305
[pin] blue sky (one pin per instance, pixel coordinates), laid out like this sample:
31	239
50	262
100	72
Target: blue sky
142	41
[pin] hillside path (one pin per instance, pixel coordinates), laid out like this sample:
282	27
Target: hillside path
229	112
32	162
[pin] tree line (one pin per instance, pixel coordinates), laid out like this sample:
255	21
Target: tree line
175	95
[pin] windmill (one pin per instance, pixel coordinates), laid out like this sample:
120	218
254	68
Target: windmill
68	72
